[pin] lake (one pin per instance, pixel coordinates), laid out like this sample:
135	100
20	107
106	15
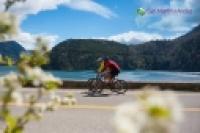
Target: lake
149	76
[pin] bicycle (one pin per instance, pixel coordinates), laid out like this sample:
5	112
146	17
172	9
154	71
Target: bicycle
96	85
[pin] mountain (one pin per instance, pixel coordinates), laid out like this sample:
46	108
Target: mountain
187	51
180	54
79	54
11	49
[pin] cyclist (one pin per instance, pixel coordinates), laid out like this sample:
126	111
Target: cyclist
108	68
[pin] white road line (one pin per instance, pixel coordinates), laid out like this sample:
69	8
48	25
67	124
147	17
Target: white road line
95	107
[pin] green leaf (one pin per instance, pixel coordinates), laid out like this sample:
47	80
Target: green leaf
11	121
159	112
50	85
9	61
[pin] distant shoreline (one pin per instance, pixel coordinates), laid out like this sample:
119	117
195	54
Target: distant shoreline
135	75
124	70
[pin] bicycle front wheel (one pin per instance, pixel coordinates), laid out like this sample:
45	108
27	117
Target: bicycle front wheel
120	86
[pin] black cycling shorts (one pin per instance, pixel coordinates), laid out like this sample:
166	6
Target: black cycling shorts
114	73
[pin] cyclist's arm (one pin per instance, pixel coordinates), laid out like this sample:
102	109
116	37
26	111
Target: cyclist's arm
101	67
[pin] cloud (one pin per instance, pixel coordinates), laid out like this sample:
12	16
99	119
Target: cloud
91	6
169	24
36	6
28	40
133	37
32	7
148	3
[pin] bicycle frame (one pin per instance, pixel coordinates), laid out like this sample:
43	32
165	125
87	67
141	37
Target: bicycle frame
100	83
100	76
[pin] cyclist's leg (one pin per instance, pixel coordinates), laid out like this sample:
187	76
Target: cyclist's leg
106	75
114	73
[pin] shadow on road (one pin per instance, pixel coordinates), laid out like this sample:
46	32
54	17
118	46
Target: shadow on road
88	94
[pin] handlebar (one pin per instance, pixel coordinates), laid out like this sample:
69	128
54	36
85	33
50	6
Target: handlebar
99	75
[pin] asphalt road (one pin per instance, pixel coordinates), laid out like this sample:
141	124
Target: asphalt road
95	114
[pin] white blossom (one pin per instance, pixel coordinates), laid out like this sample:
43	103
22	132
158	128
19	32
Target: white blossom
8	25
1	83
40	109
152	112
55	98
129	118
73	101
69	99
168	101
55	101
42	44
49	77
12	81
51	106
40	77
17	97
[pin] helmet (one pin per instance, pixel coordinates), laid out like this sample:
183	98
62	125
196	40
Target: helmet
105	58
102	59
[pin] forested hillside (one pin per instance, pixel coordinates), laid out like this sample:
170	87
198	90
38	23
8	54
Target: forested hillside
11	49
182	54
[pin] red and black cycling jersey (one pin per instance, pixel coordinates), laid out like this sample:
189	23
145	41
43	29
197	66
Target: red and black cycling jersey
112	65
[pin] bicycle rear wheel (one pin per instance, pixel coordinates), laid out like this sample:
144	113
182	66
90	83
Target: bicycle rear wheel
90	84
95	86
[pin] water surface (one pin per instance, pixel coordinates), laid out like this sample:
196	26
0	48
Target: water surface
142	76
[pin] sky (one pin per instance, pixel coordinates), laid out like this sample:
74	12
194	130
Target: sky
117	20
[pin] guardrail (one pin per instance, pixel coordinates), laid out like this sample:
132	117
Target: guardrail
137	85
